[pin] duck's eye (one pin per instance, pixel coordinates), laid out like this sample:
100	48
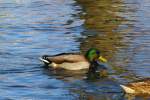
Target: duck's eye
97	52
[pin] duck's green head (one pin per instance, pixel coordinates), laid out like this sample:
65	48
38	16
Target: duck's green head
94	54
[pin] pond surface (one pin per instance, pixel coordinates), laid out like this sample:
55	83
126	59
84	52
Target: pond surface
31	28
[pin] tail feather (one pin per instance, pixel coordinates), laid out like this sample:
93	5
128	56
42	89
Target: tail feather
127	89
45	59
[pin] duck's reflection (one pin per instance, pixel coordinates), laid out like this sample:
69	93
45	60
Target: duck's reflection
66	75
86	88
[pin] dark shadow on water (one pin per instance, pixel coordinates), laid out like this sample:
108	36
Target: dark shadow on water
108	29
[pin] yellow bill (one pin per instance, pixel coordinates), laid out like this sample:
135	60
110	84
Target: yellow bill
102	59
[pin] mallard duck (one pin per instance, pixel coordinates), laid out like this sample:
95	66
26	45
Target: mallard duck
141	87
71	61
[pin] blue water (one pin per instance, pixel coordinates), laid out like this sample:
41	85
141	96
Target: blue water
31	28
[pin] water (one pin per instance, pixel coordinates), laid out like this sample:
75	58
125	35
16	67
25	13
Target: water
31	28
